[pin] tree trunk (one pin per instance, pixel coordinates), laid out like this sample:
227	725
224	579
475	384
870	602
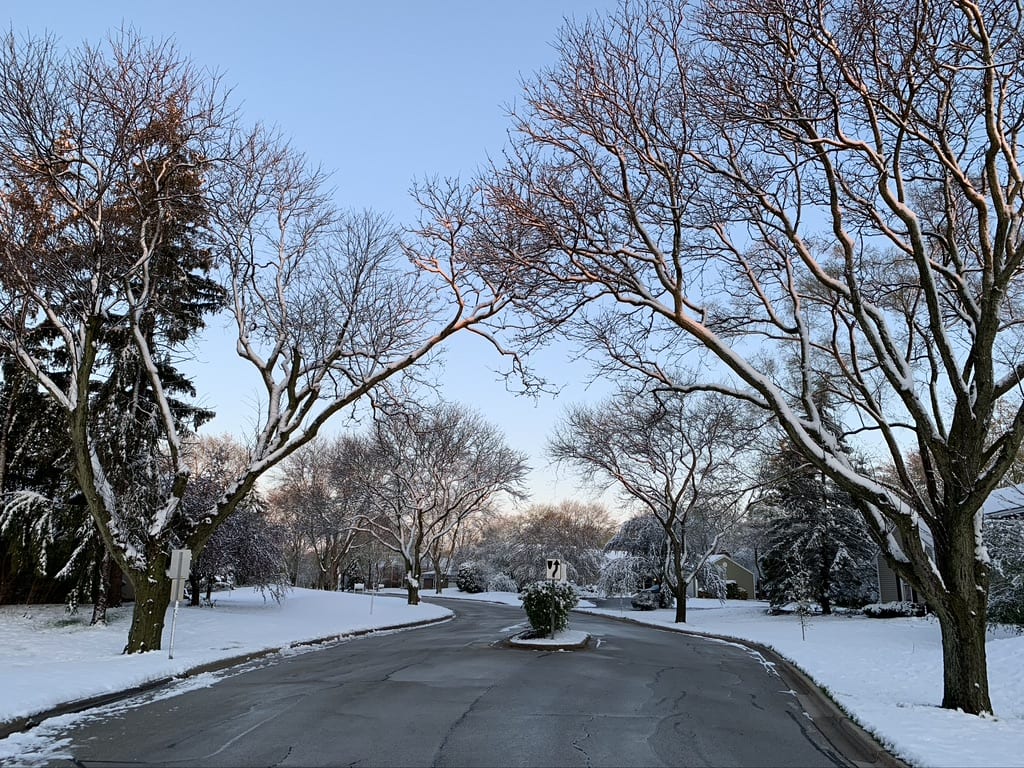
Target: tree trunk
152	596
413	593
680	584
964	663
962	610
680	602
99	606
438	586
196	584
115	582
412	584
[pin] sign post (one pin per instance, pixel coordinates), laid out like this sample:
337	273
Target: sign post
555	572
181	563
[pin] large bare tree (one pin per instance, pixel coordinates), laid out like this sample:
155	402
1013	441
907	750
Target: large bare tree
680	458
427	471
832	188
120	160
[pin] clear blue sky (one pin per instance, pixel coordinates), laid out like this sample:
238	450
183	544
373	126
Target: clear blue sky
380	92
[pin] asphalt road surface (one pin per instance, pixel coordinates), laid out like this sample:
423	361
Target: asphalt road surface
455	694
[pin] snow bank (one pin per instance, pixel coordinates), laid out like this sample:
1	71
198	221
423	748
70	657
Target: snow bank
49	658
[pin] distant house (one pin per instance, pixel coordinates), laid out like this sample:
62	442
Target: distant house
893	588
1005	503
731	571
429	580
1002	503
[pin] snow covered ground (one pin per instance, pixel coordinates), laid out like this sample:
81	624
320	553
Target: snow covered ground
887	673
48	658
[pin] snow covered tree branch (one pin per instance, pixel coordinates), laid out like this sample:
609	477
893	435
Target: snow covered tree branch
134	206
833	189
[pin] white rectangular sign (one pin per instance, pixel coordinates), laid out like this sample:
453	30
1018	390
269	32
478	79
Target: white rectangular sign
181	563
178	589
556	569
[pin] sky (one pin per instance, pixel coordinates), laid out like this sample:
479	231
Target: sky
380	94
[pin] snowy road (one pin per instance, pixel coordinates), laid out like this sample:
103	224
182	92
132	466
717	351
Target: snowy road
453	694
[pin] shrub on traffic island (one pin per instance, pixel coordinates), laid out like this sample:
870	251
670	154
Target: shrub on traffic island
548	602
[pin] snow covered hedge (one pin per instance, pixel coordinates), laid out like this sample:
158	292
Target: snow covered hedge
546	602
893	609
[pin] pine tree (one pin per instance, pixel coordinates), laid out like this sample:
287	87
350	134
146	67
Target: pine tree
48	543
818	547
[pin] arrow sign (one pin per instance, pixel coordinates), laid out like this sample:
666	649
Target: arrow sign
556	569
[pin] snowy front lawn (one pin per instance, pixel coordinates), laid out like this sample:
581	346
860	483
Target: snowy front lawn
887	673
49	658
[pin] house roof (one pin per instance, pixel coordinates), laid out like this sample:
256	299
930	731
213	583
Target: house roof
722	556
1005	502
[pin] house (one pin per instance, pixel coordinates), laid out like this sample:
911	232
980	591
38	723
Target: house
428	580
731	571
892	588
1002	503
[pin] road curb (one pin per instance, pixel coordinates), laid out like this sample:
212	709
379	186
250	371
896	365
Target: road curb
28	722
836	725
532	644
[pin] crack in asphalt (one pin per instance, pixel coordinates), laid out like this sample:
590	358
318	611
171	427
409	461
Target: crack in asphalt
586	736
457	723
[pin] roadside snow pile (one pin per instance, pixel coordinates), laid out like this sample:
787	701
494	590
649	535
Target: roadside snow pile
49	658
887	674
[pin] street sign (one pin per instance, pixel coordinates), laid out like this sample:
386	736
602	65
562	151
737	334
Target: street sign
556	570
178	589
181	562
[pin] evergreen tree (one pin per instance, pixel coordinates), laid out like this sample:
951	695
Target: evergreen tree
48	543
818	547
1004	539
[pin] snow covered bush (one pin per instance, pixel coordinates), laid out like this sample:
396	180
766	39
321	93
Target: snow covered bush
502	582
893	609
547	603
471	578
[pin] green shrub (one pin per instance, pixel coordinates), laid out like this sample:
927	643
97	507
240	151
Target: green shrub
734	591
547	601
471	578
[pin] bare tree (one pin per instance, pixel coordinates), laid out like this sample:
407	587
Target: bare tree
832	188
678	458
426	472
573	531
317	494
117	164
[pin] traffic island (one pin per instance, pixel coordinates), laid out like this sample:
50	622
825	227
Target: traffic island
564	640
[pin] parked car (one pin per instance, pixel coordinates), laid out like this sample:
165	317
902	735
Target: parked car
651	598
